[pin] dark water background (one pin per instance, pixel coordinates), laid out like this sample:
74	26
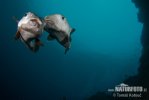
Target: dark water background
105	50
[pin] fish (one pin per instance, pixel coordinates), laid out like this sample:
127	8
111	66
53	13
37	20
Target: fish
29	31
58	28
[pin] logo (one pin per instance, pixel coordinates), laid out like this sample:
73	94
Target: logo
124	90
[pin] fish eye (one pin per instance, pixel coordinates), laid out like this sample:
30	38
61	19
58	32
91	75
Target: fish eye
25	14
63	17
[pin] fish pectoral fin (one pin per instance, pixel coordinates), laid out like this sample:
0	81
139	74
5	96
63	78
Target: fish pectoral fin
33	47
28	45
38	42
50	37
17	35
73	30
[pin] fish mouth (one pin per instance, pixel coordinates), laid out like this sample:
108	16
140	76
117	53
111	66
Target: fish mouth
37	20
50	26
48	21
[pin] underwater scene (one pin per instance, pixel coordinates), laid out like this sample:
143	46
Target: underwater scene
104	49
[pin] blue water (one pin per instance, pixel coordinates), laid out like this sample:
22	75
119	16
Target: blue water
105	50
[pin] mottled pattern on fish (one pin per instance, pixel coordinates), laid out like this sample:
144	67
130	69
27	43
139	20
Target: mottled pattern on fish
30	26
57	26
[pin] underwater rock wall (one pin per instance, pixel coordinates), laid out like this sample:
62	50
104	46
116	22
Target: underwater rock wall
142	78
143	70
143	17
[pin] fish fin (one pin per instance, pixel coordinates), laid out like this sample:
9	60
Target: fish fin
35	49
66	50
15	19
17	35
38	42
65	40
72	30
29	46
50	37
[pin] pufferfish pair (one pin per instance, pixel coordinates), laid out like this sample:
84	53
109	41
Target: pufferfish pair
31	27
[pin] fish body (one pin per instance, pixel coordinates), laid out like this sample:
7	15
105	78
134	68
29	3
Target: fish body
30	28
58	28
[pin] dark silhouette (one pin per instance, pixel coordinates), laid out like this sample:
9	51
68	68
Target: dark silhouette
141	78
